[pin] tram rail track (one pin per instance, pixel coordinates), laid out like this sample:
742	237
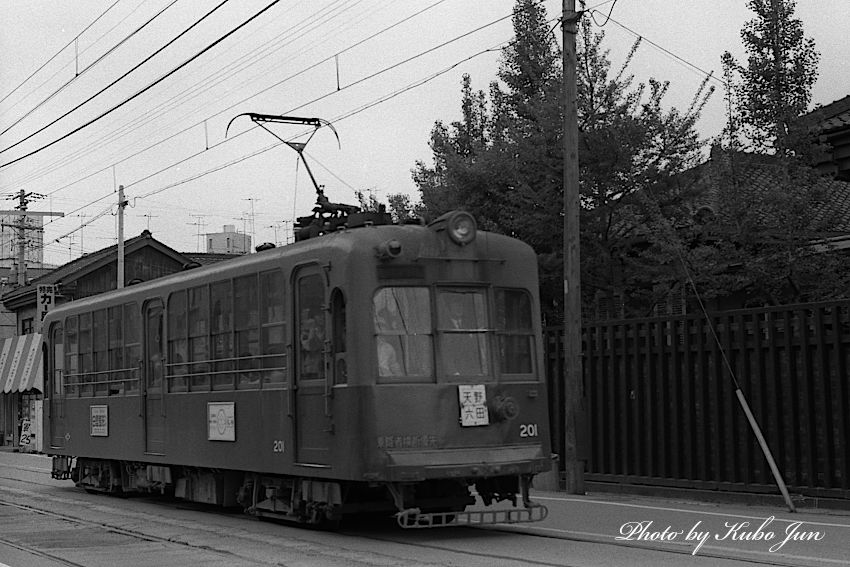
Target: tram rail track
187	540
97	525
66	504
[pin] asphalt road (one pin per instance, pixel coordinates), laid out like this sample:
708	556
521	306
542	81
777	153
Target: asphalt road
49	523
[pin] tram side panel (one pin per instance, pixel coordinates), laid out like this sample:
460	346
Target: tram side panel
107	428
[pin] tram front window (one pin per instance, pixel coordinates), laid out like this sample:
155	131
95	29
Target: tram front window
402	322
463	326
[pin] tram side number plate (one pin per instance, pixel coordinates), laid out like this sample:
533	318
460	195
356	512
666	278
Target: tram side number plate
473	405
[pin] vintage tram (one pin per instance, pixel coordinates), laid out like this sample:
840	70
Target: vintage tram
372	368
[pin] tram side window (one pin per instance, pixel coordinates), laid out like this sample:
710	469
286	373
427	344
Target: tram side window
463	332
132	347
115	324
221	327
273	329
199	350
402	323
177	340
338	337
515	331
100	376
246	309
72	357
311	328
86	366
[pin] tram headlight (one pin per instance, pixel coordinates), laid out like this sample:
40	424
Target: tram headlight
388	250
461	227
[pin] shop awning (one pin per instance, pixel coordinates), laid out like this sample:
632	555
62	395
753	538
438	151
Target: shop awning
20	364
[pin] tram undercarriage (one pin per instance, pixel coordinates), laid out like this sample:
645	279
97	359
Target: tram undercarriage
319	502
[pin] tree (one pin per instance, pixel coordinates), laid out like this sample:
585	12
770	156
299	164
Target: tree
769	229
632	155
775	86
503	160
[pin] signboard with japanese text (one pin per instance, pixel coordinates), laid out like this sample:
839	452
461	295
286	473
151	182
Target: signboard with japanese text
46	299
221	421
26	433
473	405
99	421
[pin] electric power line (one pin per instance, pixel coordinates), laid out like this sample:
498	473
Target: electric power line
342	117
10	93
259	151
81	73
144	89
667	51
142	119
89	148
113	83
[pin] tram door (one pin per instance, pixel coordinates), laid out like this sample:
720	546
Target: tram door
312	402
56	389
152	393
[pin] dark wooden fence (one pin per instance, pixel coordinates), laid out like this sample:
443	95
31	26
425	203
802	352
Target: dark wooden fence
661	407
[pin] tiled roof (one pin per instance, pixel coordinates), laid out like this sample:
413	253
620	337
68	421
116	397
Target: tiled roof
75	268
836	122
758	174
833	116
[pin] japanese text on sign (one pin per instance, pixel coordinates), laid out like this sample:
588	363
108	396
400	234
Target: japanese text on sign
46	300
473	405
99	421
26	433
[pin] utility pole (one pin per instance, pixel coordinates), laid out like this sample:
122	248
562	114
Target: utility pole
574	417
121	204
21	225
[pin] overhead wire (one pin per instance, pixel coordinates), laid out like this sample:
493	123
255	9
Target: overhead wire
143	90
113	83
349	114
86	149
277	144
243	100
163	108
666	51
378	101
207	172
342	117
85	70
10	93
75	61
607	18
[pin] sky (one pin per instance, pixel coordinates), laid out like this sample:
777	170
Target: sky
381	72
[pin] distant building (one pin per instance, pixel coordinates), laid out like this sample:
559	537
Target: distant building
228	241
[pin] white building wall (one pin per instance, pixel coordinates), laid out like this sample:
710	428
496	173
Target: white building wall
228	241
